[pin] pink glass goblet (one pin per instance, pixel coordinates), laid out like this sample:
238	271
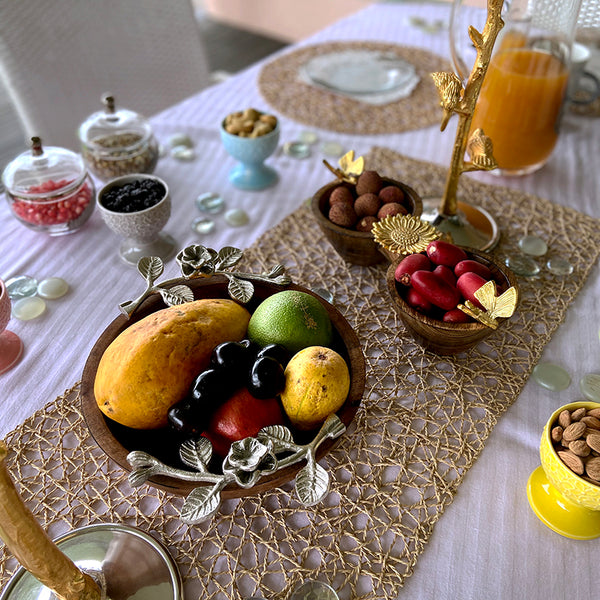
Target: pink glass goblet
11	346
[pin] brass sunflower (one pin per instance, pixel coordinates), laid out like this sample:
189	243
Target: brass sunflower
404	234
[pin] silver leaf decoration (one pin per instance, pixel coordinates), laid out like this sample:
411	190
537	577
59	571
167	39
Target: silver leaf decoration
240	290
228	257
280	436
201	503
196	453
178	294
276	271
312	483
151	268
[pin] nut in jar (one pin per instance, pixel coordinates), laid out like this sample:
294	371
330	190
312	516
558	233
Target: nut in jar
117	142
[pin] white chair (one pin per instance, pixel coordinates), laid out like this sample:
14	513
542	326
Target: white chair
58	57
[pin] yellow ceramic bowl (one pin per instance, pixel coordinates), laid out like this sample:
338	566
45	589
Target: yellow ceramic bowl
562	500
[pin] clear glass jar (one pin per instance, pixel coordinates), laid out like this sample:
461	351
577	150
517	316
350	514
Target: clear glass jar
49	189
117	142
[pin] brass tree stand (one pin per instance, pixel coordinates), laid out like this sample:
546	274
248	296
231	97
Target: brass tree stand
121	562
468	225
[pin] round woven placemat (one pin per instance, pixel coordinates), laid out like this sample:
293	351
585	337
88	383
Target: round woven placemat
281	87
423	422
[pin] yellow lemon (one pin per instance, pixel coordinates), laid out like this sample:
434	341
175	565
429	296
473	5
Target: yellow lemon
293	319
317	382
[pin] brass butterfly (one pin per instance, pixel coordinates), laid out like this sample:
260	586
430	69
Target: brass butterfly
349	169
502	306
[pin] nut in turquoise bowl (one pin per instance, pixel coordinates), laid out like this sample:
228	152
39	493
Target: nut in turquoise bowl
251	173
566	502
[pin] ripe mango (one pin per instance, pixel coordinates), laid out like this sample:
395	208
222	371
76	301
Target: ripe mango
152	364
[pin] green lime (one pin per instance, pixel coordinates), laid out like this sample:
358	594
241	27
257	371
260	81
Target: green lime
291	318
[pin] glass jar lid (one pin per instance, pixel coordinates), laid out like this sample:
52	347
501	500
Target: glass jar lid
114	128
41	172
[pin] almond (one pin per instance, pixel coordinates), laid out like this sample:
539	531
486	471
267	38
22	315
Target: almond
564	419
591	422
572	461
557	433
580	448
577	414
574	431
593	441
592	468
594	412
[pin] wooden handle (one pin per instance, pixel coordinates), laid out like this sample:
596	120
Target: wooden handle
34	550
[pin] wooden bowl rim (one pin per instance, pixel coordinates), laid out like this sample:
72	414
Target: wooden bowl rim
98	424
442	325
315	205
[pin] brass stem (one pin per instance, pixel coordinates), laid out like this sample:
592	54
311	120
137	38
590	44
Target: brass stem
34	550
484	44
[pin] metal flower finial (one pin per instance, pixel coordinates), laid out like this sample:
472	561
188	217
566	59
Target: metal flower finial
199	261
404	234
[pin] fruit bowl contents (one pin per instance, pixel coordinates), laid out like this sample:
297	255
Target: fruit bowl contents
564	492
213	369
346	213
438	295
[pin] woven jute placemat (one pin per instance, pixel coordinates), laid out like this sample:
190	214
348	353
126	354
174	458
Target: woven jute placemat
423	422
281	86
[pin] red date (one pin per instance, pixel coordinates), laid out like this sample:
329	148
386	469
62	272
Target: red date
445	253
411	263
472	266
446	274
456	316
468	284
435	289
416	300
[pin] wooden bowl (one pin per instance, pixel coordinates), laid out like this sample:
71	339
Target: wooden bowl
357	247
117	441
436	335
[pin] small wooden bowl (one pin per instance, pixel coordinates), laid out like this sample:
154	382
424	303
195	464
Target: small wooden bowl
438	336
357	247
118	441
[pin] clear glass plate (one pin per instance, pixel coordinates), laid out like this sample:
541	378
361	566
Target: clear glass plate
360	71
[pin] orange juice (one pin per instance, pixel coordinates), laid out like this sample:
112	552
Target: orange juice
519	107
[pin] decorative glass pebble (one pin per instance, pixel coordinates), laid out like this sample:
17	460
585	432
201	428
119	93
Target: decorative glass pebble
552	377
296	149
183	153
202	225
26	309
308	137
590	386
210	203
236	217
522	265
533	245
180	139
22	286
52	288
325	294
559	266
332	149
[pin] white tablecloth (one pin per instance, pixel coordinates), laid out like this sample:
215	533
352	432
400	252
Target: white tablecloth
488	543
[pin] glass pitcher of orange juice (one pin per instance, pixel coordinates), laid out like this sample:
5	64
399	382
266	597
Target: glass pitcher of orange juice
524	89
